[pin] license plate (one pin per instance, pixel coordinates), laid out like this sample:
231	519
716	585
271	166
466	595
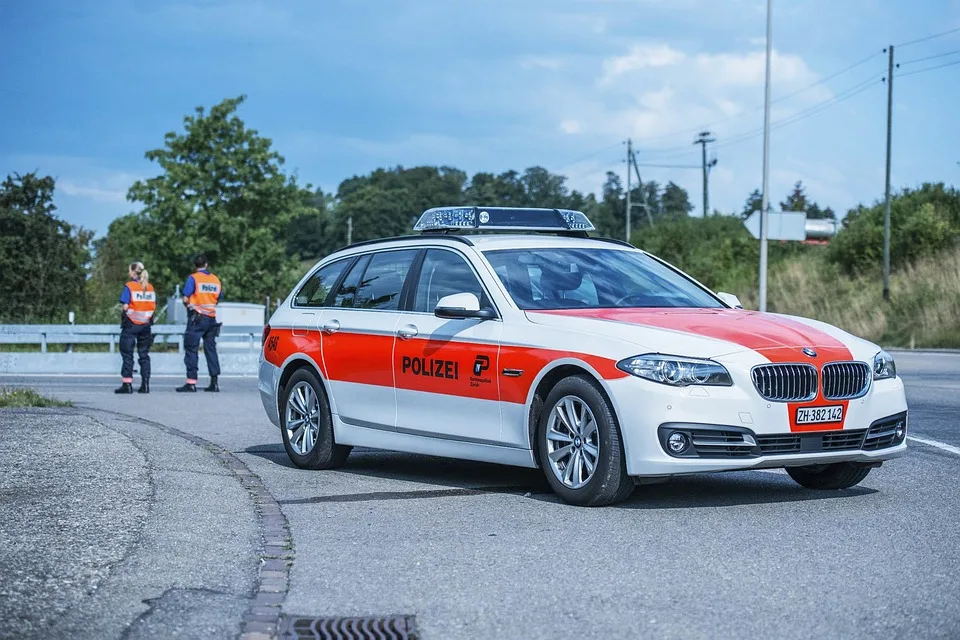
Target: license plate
814	415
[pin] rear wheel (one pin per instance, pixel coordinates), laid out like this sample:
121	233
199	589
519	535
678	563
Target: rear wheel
839	475
579	445
307	425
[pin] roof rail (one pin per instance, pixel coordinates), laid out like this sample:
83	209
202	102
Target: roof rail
364	243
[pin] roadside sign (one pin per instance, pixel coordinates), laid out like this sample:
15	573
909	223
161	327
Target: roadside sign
782	225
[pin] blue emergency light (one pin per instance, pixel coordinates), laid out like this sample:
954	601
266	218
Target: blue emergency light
503	219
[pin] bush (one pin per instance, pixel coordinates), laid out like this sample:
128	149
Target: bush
922	222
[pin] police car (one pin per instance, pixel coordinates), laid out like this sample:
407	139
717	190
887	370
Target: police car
539	346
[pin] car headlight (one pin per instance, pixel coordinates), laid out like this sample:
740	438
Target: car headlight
883	366
677	371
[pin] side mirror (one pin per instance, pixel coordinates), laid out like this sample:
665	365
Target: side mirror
462	305
730	299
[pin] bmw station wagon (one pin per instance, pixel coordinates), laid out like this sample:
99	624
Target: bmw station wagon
536	345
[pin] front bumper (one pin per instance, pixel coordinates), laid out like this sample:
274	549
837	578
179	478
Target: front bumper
649	411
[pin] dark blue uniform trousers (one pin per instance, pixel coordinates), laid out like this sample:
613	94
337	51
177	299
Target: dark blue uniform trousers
134	335
201	328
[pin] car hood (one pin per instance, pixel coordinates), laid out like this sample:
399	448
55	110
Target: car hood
704	332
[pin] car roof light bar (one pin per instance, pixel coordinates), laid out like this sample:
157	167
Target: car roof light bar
502	219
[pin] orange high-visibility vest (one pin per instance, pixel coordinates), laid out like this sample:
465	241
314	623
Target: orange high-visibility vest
143	302
206	294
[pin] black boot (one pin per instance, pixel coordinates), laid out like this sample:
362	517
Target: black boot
213	385
126	387
144	386
187	388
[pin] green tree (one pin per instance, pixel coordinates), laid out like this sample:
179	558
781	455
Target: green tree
221	192
754	203
675	201
797	200
42	258
923	222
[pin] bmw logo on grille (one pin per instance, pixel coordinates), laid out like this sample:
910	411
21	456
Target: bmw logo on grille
807	351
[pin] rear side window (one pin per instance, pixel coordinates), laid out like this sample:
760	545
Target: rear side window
315	291
383	280
347	292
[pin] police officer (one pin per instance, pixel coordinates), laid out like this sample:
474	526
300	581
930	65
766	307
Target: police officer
201	293
139	301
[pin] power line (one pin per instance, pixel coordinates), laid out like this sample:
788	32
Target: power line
931	37
801	115
758	108
939	66
939	55
587	157
667	166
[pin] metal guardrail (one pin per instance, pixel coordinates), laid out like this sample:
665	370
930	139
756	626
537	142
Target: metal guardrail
239	337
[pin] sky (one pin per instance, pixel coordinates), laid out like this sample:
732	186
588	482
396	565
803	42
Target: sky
343	87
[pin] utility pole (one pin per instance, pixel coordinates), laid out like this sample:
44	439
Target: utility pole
350	230
702	140
629	156
765	201
886	203
643	196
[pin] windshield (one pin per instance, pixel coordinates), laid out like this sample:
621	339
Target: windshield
592	279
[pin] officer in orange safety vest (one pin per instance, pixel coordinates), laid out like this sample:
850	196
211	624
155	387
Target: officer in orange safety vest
201	293
138	301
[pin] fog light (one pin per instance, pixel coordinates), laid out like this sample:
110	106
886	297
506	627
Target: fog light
901	430
678	442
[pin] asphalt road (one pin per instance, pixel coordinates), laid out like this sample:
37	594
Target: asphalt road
482	551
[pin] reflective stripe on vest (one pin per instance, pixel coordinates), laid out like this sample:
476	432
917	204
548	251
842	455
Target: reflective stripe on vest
206	293
143	302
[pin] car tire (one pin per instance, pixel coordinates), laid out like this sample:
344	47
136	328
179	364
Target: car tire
839	475
558	445
309	444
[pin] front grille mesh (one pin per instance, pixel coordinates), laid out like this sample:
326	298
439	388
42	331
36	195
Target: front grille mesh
845	380
785	382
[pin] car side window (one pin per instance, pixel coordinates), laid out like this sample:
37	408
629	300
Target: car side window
383	280
347	292
445	273
315	291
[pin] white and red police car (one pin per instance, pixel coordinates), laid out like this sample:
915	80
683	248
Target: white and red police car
588	358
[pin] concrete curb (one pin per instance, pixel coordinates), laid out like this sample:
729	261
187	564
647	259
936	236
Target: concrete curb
262	619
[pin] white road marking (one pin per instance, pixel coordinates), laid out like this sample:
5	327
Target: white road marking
935	443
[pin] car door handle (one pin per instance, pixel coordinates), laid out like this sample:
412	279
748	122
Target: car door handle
330	327
407	332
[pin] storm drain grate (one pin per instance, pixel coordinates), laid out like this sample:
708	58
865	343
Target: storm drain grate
359	628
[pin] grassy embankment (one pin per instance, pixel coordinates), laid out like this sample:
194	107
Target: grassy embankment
923	311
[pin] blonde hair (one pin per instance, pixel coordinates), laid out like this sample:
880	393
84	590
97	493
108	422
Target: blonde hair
142	276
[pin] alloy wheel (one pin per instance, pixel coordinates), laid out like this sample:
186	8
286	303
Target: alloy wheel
573	442
302	418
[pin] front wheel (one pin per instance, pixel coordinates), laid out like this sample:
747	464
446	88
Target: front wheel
579	445
307	425
839	475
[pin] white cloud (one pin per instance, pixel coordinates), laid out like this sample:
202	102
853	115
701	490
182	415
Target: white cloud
640	57
570	126
733	69
92	192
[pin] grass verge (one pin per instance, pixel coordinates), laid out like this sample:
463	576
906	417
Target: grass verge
923	310
23	397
